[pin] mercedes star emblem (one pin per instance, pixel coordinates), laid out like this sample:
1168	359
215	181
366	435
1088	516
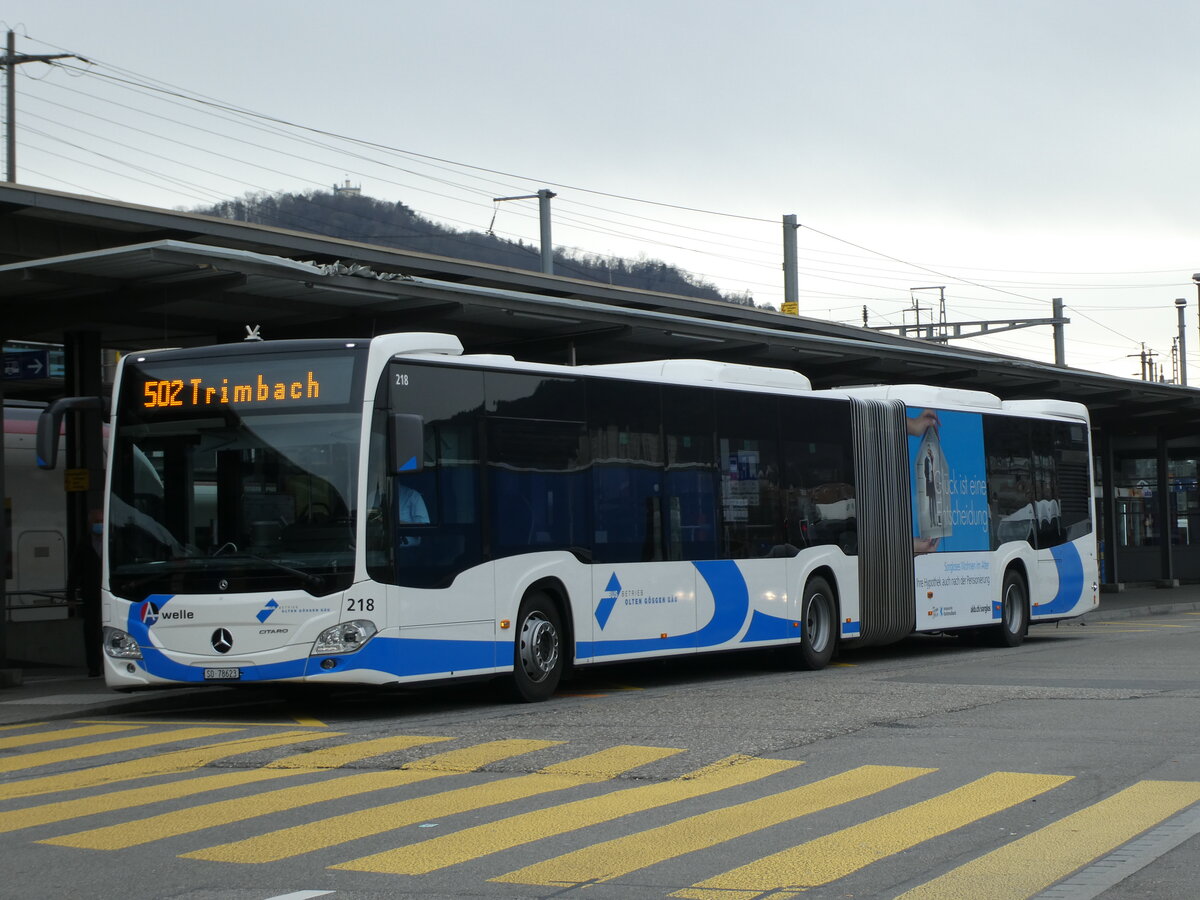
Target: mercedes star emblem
222	640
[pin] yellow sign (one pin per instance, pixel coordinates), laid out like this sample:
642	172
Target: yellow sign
76	480
791	309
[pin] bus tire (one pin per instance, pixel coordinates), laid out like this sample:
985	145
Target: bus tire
819	621
1014	612
537	650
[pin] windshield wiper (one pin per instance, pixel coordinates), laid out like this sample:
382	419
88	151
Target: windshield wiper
308	579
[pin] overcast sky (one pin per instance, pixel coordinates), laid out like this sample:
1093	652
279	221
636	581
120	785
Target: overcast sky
1011	151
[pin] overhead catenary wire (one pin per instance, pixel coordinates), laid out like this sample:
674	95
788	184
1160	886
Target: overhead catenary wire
879	285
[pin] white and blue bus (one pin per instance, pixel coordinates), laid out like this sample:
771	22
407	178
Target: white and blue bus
393	511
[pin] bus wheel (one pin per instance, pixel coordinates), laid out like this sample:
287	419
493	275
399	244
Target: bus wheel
538	651
1014	612
819	626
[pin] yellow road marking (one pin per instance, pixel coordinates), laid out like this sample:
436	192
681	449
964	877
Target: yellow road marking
319	761
100	748
310	721
1127	624
241	723
836	855
1128	631
343	754
305	838
1032	863
611	859
472	843
225	812
175	762
61	734
23	725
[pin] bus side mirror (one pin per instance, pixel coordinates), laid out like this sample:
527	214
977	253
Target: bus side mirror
406	443
50	423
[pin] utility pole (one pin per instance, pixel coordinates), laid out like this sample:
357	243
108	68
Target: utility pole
1180	306
791	276
916	309
1060	338
1148	364
543	197
10	62
941	310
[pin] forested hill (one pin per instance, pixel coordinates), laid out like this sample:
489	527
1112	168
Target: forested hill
358	218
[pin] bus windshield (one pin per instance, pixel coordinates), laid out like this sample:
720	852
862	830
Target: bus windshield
225	497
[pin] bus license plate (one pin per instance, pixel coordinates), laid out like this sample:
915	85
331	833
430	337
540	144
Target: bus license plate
222	674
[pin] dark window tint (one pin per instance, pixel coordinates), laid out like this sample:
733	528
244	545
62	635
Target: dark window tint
627	468
537	472
534	396
1062	486
748	455
428	521
1011	511
1074	479
690	480
818	474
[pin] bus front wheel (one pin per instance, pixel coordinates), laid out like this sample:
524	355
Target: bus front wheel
537	650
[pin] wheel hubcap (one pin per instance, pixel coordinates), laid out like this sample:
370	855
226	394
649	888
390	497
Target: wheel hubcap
1012	608
539	647
816	623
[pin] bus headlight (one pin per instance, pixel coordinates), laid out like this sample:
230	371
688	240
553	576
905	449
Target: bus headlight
120	645
345	638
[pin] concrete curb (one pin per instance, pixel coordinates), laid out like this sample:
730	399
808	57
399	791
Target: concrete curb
1130	612
18	707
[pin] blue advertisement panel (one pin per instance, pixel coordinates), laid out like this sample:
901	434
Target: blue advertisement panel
949	481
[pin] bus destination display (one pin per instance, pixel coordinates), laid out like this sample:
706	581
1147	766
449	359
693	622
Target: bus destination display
185	385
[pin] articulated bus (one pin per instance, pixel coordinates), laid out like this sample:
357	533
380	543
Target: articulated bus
392	511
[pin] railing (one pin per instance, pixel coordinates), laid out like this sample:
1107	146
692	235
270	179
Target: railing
33	606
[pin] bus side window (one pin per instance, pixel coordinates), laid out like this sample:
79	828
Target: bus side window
690	477
1009	479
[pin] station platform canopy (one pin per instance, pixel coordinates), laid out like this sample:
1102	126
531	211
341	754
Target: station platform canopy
141	278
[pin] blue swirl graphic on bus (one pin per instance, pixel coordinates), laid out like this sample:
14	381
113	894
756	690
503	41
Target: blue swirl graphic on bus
1069	564
731	604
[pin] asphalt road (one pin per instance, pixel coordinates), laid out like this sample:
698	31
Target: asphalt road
1066	768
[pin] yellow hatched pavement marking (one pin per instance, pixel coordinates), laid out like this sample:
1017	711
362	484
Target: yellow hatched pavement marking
173	763
1031	864
225	812
241	723
313	761
293	841
611	859
61	734
836	855
472	843
343	754
21	725
100	748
